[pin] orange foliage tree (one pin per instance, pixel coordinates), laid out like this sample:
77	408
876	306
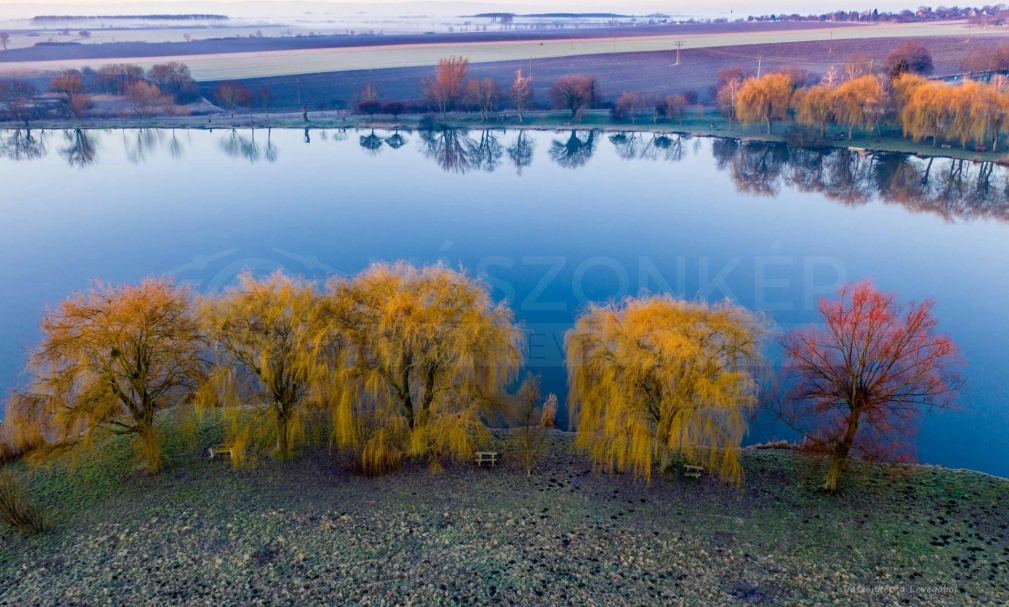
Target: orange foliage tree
432	353
764	99
814	106
858	385
660	376
447	87
858	103
109	360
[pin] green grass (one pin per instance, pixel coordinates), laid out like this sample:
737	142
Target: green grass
316	529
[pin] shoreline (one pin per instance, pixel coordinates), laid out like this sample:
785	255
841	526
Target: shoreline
710	124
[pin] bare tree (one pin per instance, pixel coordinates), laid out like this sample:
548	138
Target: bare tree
16	99
445	90
521	93
574	93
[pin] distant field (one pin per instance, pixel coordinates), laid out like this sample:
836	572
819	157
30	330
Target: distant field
231	65
646	72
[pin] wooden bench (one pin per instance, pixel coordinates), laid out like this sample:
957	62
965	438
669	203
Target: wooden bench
691	471
486	457
219	450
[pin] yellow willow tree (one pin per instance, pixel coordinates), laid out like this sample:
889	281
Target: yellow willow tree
961	123
994	107
764	99
432	352
110	359
926	112
857	103
657	376
813	106
275	362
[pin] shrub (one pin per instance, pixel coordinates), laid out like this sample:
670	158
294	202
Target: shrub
16	510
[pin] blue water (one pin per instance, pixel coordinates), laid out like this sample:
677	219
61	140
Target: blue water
769	227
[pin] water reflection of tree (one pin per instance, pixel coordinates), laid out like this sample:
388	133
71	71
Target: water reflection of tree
138	143
521	152
574	152
372	143
950	188
21	145
672	148
448	147
395	141
236	145
757	167
627	145
271	152
485	153
81	149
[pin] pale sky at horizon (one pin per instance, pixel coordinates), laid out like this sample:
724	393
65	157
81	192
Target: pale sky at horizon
240	7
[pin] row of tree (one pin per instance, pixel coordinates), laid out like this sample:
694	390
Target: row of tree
156	90
414	363
973	113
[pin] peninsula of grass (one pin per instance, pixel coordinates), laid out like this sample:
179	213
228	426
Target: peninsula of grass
316	531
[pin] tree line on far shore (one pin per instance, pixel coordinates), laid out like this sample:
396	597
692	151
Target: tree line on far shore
417	362
159	90
858	95
970	113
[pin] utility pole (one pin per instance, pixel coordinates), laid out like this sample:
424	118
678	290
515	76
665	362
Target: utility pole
679	45
297	80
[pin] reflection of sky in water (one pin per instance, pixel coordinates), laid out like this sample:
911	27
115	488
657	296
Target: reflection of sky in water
549	240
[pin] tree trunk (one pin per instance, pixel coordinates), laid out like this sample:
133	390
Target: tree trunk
283	434
841	455
154	461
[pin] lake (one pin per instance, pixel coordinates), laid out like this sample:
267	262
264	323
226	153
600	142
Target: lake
552	220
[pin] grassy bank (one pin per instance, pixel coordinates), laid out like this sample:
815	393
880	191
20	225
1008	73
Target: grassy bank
707	124
314	531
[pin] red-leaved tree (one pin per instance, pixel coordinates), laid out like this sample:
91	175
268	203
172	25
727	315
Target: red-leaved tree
859	385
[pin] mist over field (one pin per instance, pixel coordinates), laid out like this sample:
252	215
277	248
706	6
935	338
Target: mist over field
263	9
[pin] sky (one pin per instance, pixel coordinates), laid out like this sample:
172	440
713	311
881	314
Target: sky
261	8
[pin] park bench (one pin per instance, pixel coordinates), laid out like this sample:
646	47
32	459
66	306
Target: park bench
691	471
219	450
486	457
980	148
945	146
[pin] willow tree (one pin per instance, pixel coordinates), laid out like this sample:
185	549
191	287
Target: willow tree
858	102
660	376
764	99
433	352
273	361
110	359
926	112
814	106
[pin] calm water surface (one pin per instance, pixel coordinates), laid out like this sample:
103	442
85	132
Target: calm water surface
553	220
